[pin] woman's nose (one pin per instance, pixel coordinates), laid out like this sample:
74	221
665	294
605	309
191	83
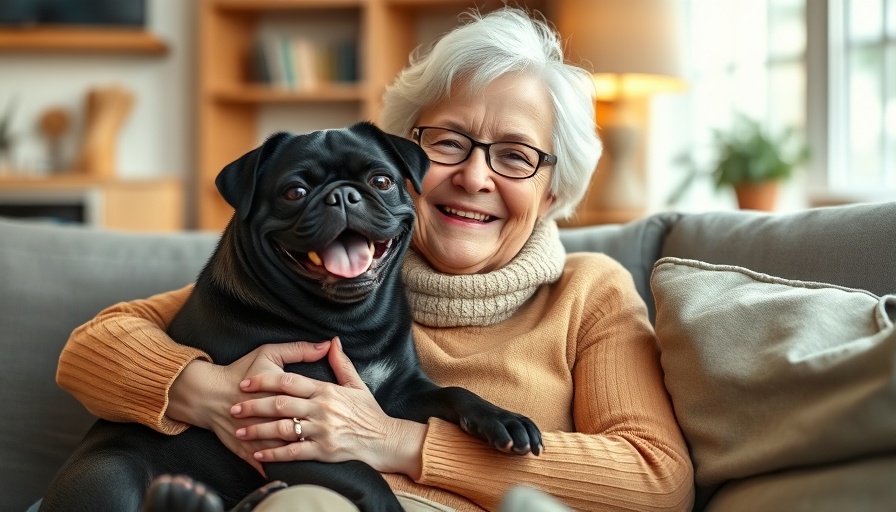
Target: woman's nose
474	174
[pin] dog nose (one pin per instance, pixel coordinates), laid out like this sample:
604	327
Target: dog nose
345	196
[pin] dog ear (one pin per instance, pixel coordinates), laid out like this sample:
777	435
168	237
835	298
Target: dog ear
236	182
414	161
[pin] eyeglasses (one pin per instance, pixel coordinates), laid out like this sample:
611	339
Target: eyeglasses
513	160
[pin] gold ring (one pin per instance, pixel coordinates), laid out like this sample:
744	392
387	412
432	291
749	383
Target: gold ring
297	428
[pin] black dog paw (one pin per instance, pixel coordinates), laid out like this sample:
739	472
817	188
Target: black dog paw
180	494
505	431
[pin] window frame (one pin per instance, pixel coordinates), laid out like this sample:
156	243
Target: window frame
827	107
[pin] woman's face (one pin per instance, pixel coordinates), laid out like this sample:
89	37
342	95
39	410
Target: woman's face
470	219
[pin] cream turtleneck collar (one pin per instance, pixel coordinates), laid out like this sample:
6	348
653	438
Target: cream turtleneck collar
445	300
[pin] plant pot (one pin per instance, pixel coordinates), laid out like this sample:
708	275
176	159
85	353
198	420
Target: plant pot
757	196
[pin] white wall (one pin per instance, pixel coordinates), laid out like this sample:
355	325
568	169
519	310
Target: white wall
157	138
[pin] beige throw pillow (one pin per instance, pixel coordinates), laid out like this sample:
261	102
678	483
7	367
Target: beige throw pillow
767	373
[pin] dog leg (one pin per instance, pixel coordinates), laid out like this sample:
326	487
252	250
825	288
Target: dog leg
506	431
180	494
103	481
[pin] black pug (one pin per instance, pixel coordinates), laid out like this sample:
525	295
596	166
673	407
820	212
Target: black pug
314	249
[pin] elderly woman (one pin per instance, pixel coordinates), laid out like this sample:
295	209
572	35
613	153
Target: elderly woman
499	308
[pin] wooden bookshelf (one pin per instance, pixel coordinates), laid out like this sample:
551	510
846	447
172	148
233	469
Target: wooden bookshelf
131	205
127	205
80	39
230	103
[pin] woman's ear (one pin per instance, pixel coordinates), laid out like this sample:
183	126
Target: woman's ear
545	205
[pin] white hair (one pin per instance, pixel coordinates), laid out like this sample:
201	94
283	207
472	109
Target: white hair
486	47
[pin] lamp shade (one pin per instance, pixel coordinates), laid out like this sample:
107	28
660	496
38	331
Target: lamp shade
630	46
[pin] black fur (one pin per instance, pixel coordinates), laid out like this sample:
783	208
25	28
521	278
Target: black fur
257	289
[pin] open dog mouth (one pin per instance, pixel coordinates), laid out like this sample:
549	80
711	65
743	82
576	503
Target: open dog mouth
349	256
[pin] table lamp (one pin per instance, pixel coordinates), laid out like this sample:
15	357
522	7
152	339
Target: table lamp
631	48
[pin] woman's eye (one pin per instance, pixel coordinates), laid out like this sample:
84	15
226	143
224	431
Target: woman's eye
447	143
521	158
516	157
294	193
381	181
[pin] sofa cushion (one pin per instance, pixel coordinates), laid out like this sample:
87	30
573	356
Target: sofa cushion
52	279
636	245
864	484
853	246
766	373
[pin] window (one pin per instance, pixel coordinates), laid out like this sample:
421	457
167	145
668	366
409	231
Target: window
743	57
747	58
826	68
861	36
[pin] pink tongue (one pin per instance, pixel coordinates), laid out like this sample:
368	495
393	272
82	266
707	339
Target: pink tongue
348	256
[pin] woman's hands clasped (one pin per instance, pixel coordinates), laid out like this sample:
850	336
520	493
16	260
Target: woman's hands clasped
339	422
203	394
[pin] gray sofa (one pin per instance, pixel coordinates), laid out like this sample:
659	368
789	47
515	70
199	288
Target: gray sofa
54	278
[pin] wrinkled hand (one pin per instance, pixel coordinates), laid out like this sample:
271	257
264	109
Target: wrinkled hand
340	421
204	393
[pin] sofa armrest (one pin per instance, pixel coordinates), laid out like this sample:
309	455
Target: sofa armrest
52	279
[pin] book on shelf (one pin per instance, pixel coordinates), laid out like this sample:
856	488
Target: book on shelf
302	63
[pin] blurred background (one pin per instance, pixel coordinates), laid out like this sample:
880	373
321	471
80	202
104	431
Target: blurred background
119	113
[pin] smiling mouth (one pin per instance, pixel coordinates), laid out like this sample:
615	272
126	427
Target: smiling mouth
349	256
462	214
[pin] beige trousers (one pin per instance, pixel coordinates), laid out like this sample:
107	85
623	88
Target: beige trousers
312	498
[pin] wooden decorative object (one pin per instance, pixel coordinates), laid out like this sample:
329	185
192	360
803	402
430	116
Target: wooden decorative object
107	109
54	123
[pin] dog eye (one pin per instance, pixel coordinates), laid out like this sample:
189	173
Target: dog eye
381	181
295	193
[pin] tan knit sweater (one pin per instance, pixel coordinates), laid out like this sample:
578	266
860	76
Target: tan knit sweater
579	358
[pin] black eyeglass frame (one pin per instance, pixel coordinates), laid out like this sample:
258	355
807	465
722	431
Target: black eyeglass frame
543	157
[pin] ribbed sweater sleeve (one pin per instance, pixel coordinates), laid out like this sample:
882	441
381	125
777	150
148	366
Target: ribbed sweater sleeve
623	450
121	364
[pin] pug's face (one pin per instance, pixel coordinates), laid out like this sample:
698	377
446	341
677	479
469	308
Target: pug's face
330	208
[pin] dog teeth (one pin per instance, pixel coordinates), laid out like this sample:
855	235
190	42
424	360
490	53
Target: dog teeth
313	256
370	246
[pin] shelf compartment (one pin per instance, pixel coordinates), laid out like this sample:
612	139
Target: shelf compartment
284	5
81	39
261	94
131	205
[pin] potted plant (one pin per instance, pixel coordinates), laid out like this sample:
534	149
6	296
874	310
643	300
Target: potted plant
6	139
750	161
